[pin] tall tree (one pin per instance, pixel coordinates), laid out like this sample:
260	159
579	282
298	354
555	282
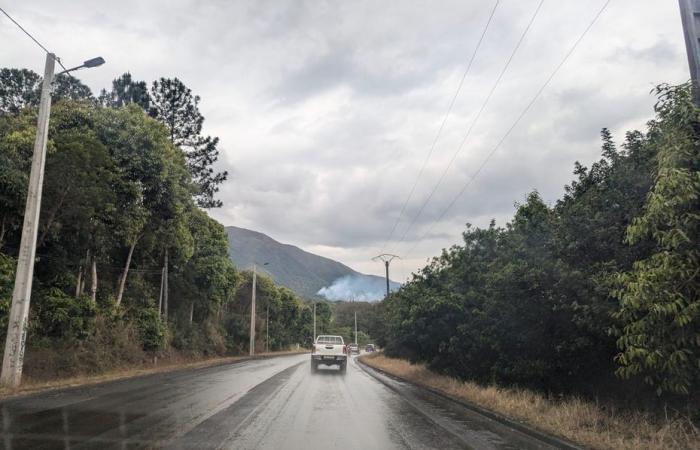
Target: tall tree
66	86
19	88
124	91
660	296
174	105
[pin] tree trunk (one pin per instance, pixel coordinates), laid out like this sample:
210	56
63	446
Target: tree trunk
3	229
83	275
160	295
191	312
122	278
165	286
93	286
52	217
79	282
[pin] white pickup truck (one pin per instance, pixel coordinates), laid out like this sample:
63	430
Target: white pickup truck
330	351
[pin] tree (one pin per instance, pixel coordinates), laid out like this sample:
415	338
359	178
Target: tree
660	296
16	146
19	88
66	86
125	91
173	104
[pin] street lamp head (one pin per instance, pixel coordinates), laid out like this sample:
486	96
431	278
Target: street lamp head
94	62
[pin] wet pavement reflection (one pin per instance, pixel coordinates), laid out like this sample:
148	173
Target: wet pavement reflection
264	404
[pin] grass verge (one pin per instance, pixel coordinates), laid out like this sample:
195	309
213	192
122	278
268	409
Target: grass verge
572	418
30	386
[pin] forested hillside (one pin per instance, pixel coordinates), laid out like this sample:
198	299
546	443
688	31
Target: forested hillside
129	265
303	272
596	293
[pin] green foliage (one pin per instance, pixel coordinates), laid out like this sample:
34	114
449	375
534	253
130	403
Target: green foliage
64	316
125	91
7	280
118	194
660	296
560	294
19	88
173	104
152	330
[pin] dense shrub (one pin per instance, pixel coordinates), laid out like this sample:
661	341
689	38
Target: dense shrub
152	330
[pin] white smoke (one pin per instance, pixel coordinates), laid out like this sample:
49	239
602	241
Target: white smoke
356	287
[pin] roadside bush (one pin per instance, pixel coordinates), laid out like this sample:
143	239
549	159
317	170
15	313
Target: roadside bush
111	344
62	315
200	339
152	330
7	280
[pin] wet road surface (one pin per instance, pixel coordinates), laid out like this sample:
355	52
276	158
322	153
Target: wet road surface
275	403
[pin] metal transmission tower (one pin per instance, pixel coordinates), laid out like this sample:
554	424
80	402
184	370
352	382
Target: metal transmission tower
386	258
690	17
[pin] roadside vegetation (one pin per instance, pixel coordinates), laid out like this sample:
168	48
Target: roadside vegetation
597	295
129	265
574	418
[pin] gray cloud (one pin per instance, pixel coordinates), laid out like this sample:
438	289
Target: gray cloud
326	110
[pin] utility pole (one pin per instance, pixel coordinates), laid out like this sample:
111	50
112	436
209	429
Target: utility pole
355	327
17	324
314	336
267	330
386	258
252	316
690	18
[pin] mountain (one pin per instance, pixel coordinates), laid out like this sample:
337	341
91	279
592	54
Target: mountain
310	276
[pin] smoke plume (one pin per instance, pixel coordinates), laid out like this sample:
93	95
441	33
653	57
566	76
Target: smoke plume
357	287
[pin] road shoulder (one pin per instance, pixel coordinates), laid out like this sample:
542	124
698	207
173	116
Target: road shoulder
32	388
502	421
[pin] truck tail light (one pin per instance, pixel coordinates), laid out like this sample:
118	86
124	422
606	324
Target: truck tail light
345	348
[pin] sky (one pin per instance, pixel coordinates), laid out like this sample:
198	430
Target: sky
327	111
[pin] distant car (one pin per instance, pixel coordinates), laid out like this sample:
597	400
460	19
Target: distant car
353	349
330	351
369	348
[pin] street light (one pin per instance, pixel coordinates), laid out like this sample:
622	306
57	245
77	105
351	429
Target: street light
17	325
94	62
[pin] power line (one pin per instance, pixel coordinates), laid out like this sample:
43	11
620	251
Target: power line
512	127
474	122
444	120
31	37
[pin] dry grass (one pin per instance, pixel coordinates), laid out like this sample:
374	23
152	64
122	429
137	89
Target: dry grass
572	418
30	385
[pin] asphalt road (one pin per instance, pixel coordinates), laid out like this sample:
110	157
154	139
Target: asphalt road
272	403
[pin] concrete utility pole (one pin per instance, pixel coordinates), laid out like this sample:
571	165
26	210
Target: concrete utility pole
690	17
267	330
252	316
386	258
13	358
313	338
355	327
17	324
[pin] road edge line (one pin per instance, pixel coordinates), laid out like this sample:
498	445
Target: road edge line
527	429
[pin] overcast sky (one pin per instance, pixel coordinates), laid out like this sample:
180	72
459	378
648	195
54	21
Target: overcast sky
327	110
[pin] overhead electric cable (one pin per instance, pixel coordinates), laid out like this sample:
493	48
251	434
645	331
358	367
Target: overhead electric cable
474	122
515	123
30	36
442	125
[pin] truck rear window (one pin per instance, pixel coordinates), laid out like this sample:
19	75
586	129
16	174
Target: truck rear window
329	340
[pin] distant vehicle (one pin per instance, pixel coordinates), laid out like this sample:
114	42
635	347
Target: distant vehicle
369	348
353	348
330	351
